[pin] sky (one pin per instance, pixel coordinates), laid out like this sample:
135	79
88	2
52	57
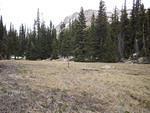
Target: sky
24	11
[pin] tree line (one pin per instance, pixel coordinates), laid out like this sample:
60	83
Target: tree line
104	40
108	41
39	43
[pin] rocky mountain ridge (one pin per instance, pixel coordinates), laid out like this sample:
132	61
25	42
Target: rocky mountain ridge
88	14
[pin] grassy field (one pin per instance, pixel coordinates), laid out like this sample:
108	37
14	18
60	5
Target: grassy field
52	87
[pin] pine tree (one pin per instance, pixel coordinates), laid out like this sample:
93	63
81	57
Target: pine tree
138	28
138	33
91	41
109	47
71	38
125	39
61	39
73	29
43	41
38	43
13	42
1	37
114	32
80	37
22	41
6	54
66	45
101	31
133	28
49	40
142	15
65	41
31	53
147	31
55	48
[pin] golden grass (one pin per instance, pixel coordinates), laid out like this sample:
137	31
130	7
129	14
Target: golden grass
126	87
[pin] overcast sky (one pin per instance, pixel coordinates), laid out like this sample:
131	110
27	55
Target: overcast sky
24	11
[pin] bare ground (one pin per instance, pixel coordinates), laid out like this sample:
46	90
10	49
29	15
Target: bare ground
52	87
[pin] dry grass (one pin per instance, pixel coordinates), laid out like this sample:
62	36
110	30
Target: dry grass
119	87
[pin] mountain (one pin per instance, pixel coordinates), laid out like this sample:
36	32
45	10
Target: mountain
88	14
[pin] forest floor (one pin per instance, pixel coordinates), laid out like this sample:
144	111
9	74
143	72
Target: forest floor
52	87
